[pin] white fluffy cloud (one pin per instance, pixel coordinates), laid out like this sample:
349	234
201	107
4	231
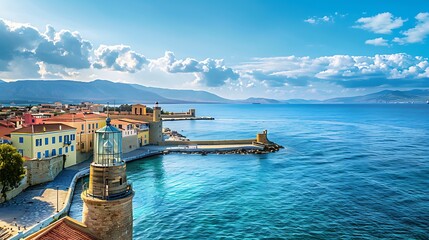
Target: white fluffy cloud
119	58
348	71
209	72
22	41
382	23
17	40
316	20
418	33
377	42
64	48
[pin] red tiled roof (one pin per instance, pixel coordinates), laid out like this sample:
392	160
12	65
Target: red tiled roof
44	128
64	229
5	131
7	123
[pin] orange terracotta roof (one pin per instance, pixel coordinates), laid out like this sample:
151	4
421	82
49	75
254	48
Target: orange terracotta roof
68	117
119	122
133	120
5	132
6	123
44	128
66	228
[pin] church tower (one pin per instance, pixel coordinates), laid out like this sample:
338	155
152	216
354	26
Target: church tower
107	200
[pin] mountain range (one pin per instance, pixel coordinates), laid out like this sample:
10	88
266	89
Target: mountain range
102	91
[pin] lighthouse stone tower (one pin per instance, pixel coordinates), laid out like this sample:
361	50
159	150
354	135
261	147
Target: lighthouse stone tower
107	200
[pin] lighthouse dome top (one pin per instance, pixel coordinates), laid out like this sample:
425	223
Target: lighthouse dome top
108	146
108	128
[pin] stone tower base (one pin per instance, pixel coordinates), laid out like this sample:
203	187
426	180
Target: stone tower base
109	219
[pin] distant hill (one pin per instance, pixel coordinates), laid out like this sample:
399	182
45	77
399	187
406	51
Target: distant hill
387	96
100	91
185	95
261	101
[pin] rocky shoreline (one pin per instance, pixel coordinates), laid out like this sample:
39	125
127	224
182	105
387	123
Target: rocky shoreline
269	148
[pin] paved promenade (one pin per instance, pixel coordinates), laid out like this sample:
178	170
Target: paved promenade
37	202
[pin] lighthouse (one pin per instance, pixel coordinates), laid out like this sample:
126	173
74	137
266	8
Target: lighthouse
107	199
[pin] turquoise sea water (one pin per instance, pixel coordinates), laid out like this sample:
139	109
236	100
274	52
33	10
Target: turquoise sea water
347	172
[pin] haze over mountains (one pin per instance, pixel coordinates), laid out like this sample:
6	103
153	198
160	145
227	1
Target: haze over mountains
102	91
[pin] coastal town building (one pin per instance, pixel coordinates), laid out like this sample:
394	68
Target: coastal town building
85	124
46	140
135	133
129	135
35	118
138	109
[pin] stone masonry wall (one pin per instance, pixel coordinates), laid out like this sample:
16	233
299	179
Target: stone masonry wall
43	170
109	219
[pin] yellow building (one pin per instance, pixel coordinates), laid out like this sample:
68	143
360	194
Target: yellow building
86	125
138	109
46	140
142	129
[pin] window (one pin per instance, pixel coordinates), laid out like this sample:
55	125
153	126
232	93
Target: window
73	137
21	140
38	143
66	139
60	151
46	141
60	139
96	125
67	149
53	140
39	155
71	148
89	126
83	126
93	126
21	151
46	153
54	152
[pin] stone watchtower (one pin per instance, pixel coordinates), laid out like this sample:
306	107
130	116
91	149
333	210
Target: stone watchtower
107	200
155	127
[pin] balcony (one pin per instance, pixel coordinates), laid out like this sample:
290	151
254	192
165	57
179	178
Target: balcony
127	192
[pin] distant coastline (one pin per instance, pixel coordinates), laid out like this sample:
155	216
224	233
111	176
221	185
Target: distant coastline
26	92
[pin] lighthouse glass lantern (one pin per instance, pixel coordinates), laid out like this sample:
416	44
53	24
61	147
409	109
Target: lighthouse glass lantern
108	145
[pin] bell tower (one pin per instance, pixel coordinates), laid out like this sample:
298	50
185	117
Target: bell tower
107	200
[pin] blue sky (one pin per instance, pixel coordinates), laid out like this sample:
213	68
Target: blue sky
237	49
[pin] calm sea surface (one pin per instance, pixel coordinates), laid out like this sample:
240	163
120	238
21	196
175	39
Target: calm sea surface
347	172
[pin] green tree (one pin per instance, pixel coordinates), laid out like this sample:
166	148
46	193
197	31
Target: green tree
11	168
